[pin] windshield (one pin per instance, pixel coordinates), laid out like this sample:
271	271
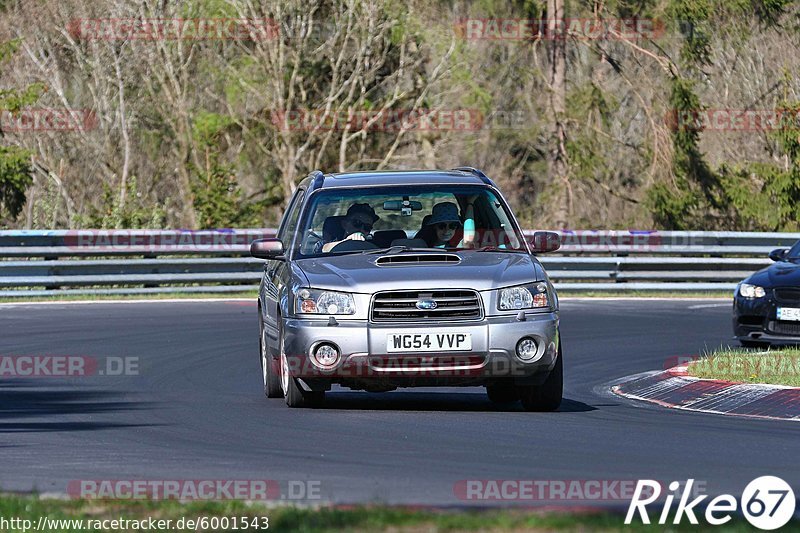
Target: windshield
794	252
445	217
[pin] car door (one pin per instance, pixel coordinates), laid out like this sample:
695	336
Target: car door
276	271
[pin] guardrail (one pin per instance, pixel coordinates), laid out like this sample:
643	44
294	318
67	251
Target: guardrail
44	263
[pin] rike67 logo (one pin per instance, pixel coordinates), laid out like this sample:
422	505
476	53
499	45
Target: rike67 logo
767	503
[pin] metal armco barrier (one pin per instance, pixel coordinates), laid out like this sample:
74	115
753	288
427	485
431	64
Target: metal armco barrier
44	263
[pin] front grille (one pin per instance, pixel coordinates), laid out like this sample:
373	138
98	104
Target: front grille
784	328
400	306
787	295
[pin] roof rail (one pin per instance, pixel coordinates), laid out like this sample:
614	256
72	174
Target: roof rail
318	176
477	172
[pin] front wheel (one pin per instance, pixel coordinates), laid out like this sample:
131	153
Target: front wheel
269	375
293	394
547	396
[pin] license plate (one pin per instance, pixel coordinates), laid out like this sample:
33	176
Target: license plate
789	313
428	342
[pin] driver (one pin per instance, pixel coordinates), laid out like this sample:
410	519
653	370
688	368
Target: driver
355	225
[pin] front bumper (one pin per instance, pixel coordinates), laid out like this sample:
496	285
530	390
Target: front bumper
756	320
364	357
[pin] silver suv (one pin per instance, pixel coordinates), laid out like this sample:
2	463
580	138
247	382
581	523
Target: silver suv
380	280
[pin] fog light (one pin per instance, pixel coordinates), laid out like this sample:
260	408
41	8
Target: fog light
326	355
527	348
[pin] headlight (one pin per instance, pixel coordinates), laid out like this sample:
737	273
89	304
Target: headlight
524	297
318	302
751	291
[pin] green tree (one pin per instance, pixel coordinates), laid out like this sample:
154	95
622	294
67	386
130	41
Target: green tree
758	197
15	167
218	199
766	197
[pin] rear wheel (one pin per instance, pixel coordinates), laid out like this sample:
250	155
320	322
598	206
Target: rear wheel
547	396
502	392
269	370
294	395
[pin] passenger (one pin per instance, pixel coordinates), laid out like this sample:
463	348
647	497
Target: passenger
443	226
355	226
440	229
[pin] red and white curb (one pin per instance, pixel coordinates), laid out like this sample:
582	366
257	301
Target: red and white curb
675	389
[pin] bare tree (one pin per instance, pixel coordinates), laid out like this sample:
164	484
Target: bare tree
373	73
557	77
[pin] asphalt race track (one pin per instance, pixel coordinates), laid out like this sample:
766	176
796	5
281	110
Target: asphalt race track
195	410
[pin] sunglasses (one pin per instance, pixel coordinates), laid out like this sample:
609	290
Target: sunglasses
360	224
441	226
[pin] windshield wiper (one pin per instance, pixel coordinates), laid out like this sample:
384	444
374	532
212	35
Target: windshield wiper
402	248
493	249
389	250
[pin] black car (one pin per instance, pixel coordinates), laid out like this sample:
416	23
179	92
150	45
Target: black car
766	306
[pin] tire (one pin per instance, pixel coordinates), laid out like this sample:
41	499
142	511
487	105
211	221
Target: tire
269	375
502	392
547	396
293	394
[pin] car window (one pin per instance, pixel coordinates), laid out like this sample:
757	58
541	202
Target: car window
337	205
402	213
794	252
289	222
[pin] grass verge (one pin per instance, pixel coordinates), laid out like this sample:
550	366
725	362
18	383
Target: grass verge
324	519
775	367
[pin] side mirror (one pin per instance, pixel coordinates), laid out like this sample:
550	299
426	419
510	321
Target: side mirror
778	254
545	241
266	248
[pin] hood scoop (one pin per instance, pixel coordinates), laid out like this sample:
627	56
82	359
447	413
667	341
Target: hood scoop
416	259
